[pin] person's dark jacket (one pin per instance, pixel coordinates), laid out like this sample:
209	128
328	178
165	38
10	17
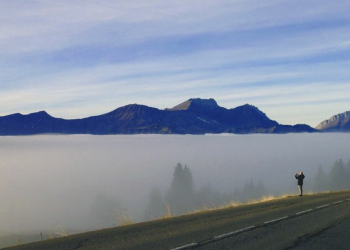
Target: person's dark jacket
300	179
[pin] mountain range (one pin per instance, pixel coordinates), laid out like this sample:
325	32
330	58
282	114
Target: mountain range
194	116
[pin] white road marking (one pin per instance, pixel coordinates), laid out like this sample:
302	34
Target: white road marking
234	232
282	218
323	206
185	246
304	211
247	228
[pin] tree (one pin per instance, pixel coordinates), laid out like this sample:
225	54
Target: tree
188	181
320	182
347	168
180	196
338	176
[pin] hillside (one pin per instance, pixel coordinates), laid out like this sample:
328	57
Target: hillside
337	123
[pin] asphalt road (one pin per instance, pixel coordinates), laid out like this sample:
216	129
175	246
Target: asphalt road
321	228
308	222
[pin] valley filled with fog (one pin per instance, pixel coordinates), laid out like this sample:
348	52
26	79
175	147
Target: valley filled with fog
77	183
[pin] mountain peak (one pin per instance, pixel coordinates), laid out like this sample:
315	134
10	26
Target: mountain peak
339	121
40	114
247	105
43	112
190	103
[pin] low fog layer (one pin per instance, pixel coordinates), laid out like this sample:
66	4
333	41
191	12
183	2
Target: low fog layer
72	182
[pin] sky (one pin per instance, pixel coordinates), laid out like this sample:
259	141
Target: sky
76	59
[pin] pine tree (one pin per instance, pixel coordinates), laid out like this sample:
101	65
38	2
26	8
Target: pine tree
338	176
188	185
347	169
180	196
320	182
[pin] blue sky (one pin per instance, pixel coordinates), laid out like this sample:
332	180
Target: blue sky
75	59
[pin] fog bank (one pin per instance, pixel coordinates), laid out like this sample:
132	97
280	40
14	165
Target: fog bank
68	181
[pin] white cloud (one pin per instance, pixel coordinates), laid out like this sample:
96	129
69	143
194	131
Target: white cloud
259	71
52	25
274	89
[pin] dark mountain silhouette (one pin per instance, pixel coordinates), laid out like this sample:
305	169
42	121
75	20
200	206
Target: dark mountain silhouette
337	123
194	116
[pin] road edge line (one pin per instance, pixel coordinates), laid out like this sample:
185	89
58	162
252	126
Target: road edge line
327	205
233	232
271	221
305	211
185	246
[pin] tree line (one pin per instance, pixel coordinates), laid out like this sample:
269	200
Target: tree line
182	197
338	177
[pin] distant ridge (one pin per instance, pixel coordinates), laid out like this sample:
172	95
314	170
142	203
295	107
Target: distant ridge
337	123
194	116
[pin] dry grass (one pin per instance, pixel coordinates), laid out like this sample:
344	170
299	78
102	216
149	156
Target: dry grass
61	231
215	207
124	217
252	201
168	213
19	242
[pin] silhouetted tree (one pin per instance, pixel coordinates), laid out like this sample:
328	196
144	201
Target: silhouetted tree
347	168
188	182
180	196
338	176
320	182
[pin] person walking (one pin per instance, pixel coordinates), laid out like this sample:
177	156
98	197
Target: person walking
300	177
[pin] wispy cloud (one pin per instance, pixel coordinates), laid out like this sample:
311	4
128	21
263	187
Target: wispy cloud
77	59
